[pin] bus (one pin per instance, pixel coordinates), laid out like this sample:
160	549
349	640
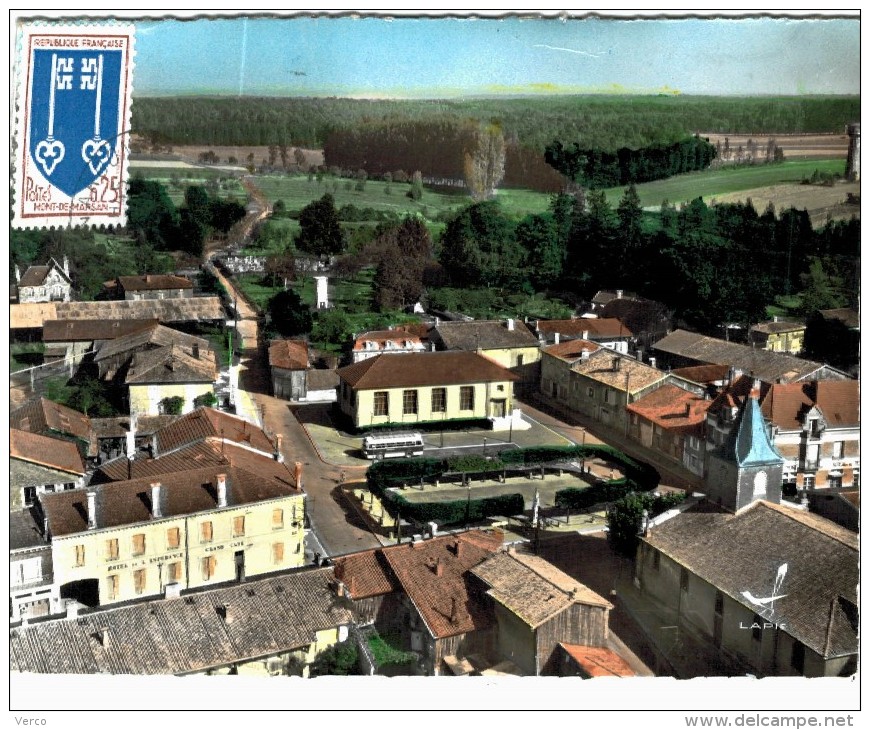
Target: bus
387	445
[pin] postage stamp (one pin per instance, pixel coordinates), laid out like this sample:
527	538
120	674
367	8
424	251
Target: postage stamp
70	157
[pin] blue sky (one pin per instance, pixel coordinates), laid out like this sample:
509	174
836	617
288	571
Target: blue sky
448	57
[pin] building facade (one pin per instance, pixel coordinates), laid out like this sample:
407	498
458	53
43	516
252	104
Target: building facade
149	537
425	387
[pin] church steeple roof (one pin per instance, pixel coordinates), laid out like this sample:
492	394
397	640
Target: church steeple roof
749	443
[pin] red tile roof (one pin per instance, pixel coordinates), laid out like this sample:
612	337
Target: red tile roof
672	408
289	354
444	601
786	405
703	374
596	661
42	415
381	337
415	369
366	574
183	493
45	451
433	574
204	422
594	326
208	452
152	282
570	350
84	330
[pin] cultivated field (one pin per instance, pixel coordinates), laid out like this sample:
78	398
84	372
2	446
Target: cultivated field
721	182
819	201
794	146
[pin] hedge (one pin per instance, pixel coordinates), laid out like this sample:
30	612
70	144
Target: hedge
385	474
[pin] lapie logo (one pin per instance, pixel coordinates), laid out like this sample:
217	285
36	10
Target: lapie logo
765	605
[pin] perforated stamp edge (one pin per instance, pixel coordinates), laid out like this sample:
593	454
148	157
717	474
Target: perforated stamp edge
104	201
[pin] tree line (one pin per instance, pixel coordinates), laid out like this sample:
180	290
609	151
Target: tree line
601	169
601	121
708	265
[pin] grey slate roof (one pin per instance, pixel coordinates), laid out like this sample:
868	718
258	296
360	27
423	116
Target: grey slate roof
188	634
767	366
743	551
483	335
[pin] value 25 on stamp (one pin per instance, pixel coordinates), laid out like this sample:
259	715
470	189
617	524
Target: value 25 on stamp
73	96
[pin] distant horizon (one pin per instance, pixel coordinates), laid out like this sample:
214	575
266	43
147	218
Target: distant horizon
490	95
444	58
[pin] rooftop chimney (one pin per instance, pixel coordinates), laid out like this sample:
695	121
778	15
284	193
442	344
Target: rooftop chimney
652	362
457	548
92	509
102	636
585	334
510	324
439	567
131	437
619	293
156	512
66	265
222	490
556	338
298	474
584	354
196	350
279	439
453	611
17	274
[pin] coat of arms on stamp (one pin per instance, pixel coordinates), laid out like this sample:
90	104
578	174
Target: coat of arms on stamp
74	85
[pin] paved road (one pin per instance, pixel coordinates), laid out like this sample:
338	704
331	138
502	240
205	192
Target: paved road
338	526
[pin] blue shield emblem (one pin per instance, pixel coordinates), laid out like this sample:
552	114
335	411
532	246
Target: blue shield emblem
74	125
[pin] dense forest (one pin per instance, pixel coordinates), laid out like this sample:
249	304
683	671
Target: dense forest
597	169
604	122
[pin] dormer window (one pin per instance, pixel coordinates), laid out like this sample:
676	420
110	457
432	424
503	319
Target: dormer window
390	345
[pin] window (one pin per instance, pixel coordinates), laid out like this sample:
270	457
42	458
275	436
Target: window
382	403
80	556
29	496
277	519
112	587
684	580
519	361
838	449
175	571
608	397
797	656
278	553
112	549
466	398
590	392
409	402
205	532
139	581
439	400
810	481
173	537
813	427
238	526
139	544
208	566
756	627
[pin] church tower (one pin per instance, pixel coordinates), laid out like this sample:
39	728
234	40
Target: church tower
746	467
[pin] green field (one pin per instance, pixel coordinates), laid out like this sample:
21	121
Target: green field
687	187
176	179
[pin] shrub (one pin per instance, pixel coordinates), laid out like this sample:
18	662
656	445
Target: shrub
339	659
625	517
172	406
